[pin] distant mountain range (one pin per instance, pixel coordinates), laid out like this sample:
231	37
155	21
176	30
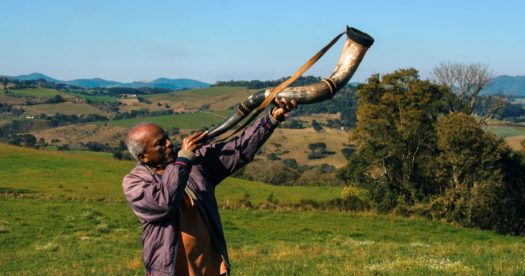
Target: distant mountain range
506	85
174	84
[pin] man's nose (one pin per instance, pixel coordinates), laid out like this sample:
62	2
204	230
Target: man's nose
168	143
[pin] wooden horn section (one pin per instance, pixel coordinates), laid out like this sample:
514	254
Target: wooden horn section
354	49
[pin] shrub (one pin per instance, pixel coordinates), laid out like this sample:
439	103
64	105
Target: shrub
315	176
357	198
292	163
270	172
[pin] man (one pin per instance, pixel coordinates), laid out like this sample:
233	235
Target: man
173	194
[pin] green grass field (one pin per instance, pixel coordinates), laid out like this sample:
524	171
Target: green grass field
96	176
64	213
505	131
184	121
93	98
68	108
34	92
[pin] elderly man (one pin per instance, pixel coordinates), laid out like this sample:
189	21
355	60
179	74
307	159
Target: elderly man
173	194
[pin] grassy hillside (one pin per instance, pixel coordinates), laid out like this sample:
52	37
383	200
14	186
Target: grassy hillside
95	176
75	134
35	92
186	120
293	143
63	213
512	135
68	108
218	98
10	99
505	131
95	99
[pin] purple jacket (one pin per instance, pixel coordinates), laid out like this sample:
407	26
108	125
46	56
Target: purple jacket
154	198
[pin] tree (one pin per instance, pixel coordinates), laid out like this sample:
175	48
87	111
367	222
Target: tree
117	155
317	150
270	172
317	127
55	99
5	81
348	152
321	147
416	157
485	180
290	162
395	134
294	124
122	146
466	81
272	156
29	140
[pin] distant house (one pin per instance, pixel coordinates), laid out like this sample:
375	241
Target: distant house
30	117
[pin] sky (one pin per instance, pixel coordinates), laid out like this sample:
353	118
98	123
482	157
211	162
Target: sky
246	40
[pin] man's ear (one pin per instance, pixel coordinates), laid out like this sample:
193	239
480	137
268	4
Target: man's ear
143	158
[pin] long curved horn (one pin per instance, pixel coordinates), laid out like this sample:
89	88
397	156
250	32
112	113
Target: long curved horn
355	47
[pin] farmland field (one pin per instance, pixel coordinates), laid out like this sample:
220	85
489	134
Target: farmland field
184	121
64	213
94	98
505	131
35	92
10	99
67	108
6	119
218	98
293	143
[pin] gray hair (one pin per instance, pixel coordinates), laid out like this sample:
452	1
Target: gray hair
136	146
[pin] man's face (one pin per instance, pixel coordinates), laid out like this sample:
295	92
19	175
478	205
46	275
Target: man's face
159	151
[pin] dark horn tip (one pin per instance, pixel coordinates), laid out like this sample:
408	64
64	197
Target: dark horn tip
360	37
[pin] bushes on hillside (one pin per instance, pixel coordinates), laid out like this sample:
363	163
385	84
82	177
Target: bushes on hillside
270	172
416	157
316	177
485	180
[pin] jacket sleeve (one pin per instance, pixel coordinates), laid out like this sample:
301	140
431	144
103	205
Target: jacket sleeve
153	198
224	158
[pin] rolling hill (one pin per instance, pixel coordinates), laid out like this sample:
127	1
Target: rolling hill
506	85
92	83
174	84
36	76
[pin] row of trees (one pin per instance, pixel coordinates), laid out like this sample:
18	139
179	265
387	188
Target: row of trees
258	84
141	113
419	150
9	109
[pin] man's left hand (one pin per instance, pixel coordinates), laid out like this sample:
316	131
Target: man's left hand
283	106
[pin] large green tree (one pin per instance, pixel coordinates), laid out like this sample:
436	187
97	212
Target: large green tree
395	133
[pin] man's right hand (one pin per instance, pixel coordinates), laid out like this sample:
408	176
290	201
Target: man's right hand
193	141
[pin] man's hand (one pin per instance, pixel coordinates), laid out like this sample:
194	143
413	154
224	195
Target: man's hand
283	106
193	141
